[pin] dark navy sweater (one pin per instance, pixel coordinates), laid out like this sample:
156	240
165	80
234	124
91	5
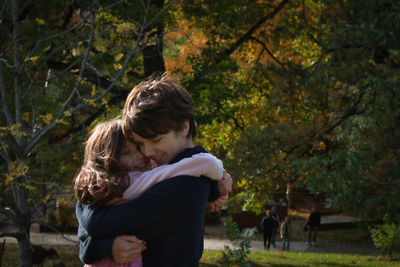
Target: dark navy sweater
169	216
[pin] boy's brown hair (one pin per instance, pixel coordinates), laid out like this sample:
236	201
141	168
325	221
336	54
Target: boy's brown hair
157	106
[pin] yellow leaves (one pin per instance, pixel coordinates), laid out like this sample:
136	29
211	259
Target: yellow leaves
61	121
93	93
322	145
117	66
33	59
104	101
101	48
14	130
64	168
124	27
46	118
40	21
25	117
67	113
47	199
242	183
125	78
118	57
91	102
16	169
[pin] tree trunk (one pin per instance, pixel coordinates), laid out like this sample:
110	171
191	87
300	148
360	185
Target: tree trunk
24	246
153	59
289	195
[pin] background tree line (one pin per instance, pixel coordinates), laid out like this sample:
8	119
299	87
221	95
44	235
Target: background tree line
288	93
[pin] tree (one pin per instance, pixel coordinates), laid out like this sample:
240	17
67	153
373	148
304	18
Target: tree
62	65
303	93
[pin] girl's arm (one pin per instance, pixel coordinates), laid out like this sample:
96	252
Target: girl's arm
202	164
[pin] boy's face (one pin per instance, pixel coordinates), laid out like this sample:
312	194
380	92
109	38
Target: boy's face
163	148
131	159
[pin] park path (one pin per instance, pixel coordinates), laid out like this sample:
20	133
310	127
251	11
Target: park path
218	244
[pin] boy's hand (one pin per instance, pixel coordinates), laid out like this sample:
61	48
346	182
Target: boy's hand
225	184
126	248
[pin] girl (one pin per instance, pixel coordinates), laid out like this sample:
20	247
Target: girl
113	171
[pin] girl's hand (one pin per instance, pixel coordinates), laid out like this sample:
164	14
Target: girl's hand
225	184
218	203
126	248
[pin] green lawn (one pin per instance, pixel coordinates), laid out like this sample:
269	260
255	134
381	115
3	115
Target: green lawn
69	254
293	259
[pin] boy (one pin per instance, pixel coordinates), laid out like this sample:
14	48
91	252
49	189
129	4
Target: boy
159	117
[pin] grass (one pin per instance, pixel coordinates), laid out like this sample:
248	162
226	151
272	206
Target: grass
291	259
69	255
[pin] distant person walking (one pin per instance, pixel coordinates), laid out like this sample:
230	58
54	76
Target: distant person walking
275	216
314	220
285	231
267	224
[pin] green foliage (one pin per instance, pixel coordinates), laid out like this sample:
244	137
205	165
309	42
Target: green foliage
239	253
386	237
310	99
65	213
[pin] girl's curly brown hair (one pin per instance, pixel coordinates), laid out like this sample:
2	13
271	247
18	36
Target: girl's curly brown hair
101	177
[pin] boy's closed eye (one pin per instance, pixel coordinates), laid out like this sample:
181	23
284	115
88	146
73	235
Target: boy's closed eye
157	140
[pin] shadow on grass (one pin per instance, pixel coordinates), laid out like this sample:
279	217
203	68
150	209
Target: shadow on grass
208	265
308	264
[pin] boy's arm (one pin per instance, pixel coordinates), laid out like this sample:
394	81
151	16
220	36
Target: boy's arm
202	164
149	208
94	249
105	220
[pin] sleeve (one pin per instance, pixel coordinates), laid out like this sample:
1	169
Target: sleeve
93	249
121	218
308	220
214	190
202	164
262	223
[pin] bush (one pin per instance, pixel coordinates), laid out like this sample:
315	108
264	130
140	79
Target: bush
386	237
241	242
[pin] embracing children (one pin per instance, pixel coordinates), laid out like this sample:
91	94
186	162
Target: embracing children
116	170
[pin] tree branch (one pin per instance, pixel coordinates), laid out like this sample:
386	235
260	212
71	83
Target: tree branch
3	92
249	33
268	51
17	70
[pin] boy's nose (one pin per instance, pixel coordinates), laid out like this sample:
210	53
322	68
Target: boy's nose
149	151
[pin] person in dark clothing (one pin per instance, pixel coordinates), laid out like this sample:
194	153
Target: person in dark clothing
314	220
267	226
277	218
158	117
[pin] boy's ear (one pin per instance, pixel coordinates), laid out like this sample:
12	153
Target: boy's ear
186	126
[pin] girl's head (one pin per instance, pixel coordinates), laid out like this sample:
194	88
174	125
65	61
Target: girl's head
107	159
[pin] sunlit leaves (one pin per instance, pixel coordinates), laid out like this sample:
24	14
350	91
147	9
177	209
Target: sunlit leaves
16	169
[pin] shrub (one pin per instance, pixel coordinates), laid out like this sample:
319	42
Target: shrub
386	237
239	253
